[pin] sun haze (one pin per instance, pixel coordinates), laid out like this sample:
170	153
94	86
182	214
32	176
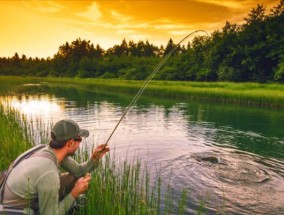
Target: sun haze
38	28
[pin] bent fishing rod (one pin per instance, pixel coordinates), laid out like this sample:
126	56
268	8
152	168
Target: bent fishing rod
147	81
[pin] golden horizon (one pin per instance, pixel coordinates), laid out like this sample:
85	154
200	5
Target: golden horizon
38	28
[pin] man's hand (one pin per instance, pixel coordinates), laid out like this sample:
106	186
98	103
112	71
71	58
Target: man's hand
81	185
99	152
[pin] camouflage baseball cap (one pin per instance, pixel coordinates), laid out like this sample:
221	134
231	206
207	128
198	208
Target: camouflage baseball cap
68	129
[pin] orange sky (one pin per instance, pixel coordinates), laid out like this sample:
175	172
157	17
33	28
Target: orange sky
39	27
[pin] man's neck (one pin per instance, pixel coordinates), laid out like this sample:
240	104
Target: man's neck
60	154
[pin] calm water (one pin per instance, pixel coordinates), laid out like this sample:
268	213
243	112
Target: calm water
231	158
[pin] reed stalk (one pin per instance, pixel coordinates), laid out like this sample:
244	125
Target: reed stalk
14	137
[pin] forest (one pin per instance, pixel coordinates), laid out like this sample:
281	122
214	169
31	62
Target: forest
249	52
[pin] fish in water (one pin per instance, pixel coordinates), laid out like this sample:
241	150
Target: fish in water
208	157
233	169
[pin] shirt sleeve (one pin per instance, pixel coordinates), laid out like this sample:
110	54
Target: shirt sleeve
48	195
76	169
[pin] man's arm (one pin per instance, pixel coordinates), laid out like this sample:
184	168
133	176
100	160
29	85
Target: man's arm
79	170
76	169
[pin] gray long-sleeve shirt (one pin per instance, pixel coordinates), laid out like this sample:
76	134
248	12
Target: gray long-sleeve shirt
35	183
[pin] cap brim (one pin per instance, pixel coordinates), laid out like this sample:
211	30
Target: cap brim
83	133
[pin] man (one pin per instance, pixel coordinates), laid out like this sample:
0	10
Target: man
36	182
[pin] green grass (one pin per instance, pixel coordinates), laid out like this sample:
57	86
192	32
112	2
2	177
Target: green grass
249	94
128	188
122	190
14	138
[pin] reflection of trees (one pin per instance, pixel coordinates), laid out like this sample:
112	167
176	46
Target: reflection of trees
85	95
254	130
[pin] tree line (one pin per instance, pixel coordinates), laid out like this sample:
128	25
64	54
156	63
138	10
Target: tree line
252	51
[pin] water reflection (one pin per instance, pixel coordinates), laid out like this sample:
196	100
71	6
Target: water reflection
229	156
37	107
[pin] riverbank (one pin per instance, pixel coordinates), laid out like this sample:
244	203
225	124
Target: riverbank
248	94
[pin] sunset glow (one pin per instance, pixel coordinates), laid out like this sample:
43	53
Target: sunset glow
38	28
36	107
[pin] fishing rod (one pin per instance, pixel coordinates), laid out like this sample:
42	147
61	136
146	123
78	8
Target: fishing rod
147	81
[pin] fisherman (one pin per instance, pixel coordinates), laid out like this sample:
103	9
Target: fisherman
37	183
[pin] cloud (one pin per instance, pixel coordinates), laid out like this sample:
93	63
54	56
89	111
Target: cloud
93	13
120	17
171	26
43	6
228	3
180	11
181	32
126	31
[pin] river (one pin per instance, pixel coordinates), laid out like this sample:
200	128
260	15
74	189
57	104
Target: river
231	158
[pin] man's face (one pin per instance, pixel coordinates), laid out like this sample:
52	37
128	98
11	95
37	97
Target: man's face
75	145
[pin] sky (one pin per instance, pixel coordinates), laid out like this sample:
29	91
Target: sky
37	28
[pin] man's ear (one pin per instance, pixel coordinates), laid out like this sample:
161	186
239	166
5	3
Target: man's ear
70	143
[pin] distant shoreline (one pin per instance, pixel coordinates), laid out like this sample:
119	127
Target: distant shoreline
248	94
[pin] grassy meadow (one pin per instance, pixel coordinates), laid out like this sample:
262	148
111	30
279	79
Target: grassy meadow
248	94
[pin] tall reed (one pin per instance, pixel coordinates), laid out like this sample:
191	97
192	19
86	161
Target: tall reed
128	189
14	138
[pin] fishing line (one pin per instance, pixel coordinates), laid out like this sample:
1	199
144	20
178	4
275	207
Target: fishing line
147	81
